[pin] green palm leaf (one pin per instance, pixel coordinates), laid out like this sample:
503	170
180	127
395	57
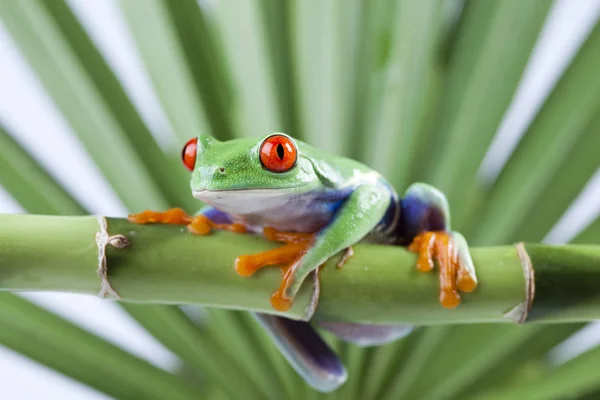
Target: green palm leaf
415	89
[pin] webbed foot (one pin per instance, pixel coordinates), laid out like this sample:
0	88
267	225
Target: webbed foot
456	270
296	245
427	222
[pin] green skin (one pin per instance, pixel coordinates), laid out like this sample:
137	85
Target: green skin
338	199
231	177
315	173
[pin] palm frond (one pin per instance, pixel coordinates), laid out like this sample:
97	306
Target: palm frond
416	89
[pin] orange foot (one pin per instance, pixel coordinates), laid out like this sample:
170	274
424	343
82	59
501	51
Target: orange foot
453	275
198	224
296	245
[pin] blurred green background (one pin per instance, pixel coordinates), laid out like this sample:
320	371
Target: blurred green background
434	90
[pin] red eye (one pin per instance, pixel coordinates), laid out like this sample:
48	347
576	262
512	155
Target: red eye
188	154
278	153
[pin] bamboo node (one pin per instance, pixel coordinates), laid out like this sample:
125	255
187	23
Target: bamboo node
520	312
103	239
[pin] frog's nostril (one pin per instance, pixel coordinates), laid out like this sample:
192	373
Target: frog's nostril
222	170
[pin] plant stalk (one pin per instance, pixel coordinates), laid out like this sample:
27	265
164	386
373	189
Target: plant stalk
165	264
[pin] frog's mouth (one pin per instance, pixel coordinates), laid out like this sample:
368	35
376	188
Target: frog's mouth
204	194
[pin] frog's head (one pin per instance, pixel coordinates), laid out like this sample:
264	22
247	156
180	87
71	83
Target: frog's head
272	166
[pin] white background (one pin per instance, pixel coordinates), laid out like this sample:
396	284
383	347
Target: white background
27	111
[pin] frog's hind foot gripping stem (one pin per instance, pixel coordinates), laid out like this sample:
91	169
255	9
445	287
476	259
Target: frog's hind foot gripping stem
427	222
455	266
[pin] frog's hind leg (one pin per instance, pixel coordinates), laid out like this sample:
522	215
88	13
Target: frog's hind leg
426	231
366	335
306	351
423	226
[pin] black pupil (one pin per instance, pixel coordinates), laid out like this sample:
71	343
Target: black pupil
280	151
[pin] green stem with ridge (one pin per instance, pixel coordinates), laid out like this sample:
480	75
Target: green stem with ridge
166	264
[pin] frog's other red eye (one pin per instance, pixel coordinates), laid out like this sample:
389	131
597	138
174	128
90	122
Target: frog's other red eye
278	153
188	154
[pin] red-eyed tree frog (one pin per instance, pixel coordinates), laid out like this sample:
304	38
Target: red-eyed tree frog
319	205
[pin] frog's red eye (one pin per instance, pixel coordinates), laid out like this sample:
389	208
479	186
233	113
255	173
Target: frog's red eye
278	153
188	154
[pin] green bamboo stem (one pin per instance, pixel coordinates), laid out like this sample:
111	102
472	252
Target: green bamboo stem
166	264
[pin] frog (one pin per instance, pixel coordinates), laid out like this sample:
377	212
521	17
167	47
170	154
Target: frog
318	205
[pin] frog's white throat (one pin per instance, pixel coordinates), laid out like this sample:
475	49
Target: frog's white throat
246	201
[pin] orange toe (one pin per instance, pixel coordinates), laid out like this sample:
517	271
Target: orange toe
200	225
248	264
279	303
438	245
465	282
278	300
173	216
423	244
235	228
296	245
449	299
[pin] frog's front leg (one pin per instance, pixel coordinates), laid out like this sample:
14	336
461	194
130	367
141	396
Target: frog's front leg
426	220
296	245
209	218
357	216
201	224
